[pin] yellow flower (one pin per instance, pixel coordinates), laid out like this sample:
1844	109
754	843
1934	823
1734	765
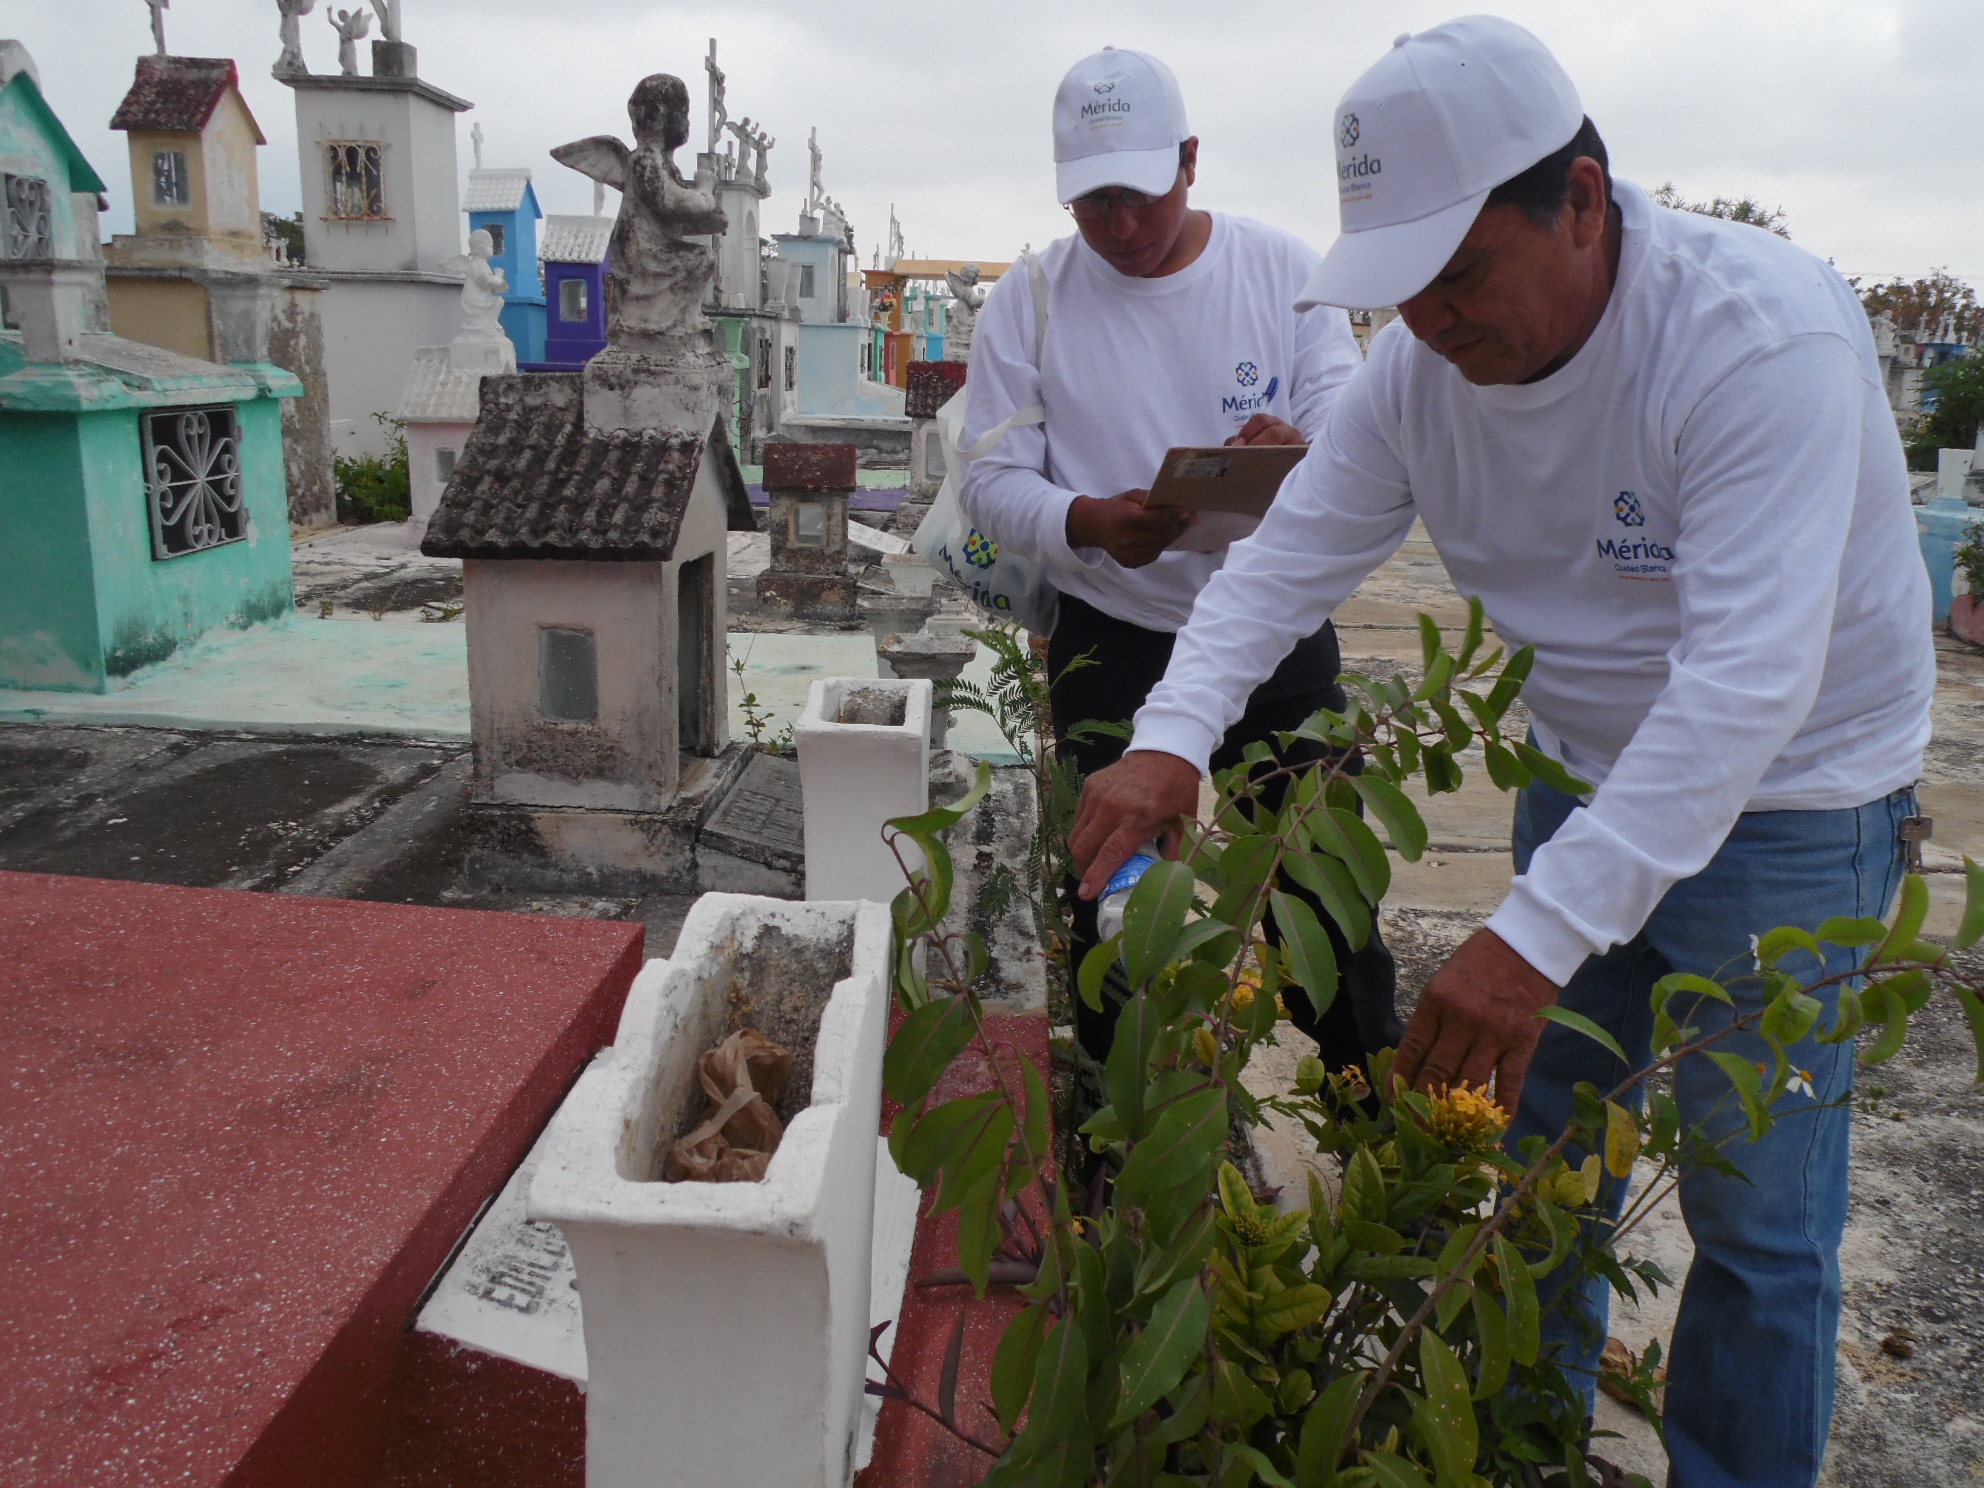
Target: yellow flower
1208	1047
1243	996
1466	1119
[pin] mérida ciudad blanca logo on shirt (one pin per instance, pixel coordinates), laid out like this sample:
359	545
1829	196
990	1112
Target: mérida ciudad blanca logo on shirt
1243	406
1634	556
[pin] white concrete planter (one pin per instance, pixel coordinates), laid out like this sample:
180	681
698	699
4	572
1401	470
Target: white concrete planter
726	1324
856	775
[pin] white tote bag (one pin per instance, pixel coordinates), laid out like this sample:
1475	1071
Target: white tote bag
1004	585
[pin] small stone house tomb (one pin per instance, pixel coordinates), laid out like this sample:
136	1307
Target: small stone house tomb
575	263
808	486
593	577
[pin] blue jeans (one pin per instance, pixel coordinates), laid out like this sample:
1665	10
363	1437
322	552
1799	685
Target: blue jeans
1750	1392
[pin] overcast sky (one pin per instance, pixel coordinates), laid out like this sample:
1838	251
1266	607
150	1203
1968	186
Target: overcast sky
1864	121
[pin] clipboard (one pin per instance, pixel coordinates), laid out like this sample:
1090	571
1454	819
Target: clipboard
1231	487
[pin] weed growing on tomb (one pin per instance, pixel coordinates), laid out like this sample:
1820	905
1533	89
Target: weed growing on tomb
1182	1329
375	489
757	721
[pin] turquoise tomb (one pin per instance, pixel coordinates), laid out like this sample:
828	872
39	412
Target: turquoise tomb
142	491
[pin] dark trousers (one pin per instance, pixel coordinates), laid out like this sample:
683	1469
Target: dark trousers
1128	662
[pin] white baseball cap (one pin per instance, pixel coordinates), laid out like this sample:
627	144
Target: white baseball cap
1118	121
1422	137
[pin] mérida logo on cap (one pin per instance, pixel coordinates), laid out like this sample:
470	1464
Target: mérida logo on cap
1353	176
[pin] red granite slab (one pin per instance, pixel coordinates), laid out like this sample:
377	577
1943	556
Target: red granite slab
239	1135
911	1450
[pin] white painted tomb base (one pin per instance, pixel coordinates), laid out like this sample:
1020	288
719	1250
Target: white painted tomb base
726	1328
513	1291
864	758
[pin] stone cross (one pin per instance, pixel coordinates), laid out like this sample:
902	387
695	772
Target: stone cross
350	25
752	137
475	143
719	115
158	9
291	63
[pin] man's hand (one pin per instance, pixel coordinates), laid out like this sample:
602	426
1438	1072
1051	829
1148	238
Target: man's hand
1144	795
1124	528
1265	428
1476	1018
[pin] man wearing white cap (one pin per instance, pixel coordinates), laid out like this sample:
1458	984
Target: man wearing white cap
1164	325
1658	447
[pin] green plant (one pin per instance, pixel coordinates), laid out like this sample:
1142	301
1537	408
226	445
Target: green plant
1969	557
757	721
1182	1330
1016	699
1957	392
375	489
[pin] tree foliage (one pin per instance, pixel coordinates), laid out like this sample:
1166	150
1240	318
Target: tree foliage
1183	1329
1745	209
1939	307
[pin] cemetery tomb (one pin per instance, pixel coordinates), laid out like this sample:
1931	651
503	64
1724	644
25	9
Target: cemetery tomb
143	489
249	1131
726	1324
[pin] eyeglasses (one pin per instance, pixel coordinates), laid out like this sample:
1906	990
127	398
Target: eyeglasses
1099	204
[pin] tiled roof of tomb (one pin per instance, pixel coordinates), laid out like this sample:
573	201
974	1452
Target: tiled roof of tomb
535	482
575	239
177	94
495	190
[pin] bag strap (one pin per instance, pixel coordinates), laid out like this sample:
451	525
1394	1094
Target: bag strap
1033	413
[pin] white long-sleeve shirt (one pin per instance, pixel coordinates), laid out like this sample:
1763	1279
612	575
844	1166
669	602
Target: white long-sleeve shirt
1701	522
1131	368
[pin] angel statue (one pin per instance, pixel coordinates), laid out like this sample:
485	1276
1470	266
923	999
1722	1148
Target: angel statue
658	282
291	63
483	286
389	19
350	25
967	297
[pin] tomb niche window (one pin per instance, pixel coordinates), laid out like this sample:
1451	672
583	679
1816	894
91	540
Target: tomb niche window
567	675
805	281
444	465
791	368
170	184
355	180
495	231
764	362
193	479
572	299
809	525
30	228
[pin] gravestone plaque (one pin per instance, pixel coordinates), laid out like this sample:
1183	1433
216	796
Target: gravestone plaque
760	820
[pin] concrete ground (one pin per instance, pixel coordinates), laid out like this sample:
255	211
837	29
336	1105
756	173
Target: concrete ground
212	784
